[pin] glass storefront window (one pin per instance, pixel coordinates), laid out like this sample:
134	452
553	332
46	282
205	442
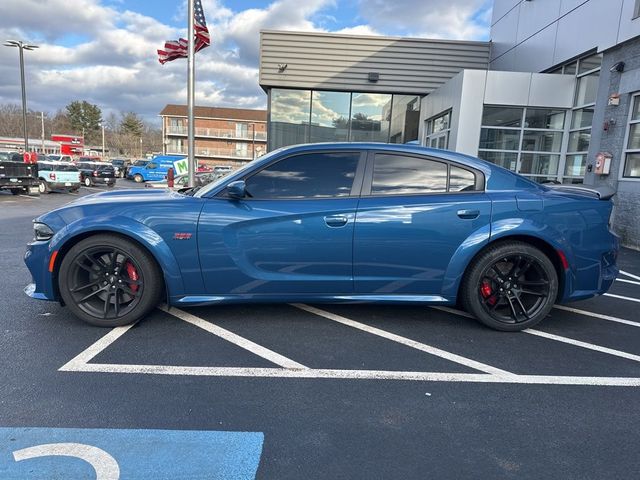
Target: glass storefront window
502	117
539	141
498	139
370	117
589	63
507	160
405	118
587	89
290	112
539	164
582	118
330	116
546	118
632	166
579	141
575	165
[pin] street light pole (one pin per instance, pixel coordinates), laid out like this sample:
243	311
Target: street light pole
253	141
21	46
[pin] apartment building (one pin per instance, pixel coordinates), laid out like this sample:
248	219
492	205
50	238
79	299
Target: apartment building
223	136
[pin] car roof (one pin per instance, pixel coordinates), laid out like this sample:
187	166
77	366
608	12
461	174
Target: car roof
49	162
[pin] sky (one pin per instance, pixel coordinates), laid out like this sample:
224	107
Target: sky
104	51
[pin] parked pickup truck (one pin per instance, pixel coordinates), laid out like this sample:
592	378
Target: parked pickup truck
17	175
58	175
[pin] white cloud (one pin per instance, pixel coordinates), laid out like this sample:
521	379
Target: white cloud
114	64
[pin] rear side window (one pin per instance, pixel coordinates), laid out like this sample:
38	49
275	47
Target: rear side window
311	175
461	180
400	175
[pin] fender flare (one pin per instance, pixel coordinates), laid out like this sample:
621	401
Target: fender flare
500	230
125	227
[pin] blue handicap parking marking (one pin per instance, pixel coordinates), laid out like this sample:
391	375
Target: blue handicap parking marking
114	454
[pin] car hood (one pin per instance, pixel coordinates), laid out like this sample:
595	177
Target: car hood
140	205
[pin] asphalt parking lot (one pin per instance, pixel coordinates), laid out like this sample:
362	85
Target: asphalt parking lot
319	391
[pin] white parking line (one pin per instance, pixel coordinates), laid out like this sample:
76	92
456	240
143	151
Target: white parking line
589	346
621	297
635	277
29	197
452	357
231	337
357	375
80	360
597	315
627	281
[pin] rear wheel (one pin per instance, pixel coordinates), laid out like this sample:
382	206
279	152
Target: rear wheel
16	191
108	281
511	286
87	181
138	178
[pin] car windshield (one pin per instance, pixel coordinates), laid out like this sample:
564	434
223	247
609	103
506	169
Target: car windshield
237	174
117	163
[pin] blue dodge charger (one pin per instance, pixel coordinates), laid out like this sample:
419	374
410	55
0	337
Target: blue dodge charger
338	222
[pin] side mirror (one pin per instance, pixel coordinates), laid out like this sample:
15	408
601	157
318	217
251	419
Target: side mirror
237	189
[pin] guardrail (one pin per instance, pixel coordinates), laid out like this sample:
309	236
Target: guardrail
218	133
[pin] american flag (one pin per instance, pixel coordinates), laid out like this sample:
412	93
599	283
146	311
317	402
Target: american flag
180	48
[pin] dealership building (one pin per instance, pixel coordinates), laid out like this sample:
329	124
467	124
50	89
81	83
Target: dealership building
554	96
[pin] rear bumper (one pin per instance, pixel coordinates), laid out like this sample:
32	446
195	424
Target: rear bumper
63	185
595	274
103	180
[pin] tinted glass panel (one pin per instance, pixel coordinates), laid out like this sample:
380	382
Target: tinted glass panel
370	117
405	119
589	63
587	89
544	118
290	111
542	141
635	114
461	180
497	139
399	175
579	141
570	69
501	117
582	118
504	159
575	165
539	164
330	116
314	175
634	137
632	166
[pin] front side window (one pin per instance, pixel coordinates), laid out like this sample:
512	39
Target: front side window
404	175
311	175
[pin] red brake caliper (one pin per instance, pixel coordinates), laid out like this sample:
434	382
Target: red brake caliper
133	275
486	292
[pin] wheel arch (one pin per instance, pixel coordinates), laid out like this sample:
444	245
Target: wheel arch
541	244
166	261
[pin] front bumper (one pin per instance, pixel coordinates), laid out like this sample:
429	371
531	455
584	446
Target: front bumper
37	259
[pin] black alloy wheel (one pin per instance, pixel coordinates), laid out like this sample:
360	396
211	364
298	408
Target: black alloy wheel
107	280
511	286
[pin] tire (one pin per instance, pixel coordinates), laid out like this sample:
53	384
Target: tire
510	286
108	281
87	181
111	185
138	178
43	187
16	191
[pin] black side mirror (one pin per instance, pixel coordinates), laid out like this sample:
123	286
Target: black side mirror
237	189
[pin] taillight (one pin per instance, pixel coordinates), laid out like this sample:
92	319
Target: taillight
95	173
52	176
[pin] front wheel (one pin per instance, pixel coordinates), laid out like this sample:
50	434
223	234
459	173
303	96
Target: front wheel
511	286
138	178
108	281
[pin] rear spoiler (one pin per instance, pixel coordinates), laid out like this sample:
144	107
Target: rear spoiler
601	193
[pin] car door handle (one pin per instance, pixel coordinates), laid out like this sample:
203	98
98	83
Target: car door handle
470	214
336	220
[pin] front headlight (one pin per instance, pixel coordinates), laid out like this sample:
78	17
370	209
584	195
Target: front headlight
42	231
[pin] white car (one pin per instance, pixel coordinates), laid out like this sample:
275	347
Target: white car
59	158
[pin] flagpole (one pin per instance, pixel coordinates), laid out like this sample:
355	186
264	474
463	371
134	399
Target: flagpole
191	67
